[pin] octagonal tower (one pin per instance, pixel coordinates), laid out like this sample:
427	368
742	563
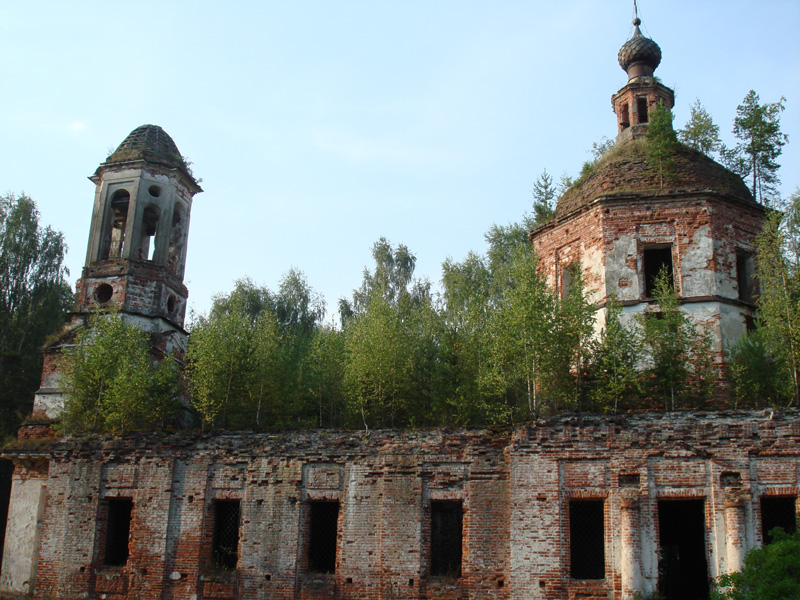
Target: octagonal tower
136	254
622	225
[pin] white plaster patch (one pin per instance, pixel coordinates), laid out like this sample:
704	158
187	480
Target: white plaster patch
22	535
620	277
697	278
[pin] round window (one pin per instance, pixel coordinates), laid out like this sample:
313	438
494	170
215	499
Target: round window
103	293
155	191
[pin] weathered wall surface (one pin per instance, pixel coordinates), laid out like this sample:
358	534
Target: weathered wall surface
705	233
515	486
20	555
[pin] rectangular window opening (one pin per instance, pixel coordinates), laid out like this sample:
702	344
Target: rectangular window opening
778	511
568	274
683	567
323	529
587	539
118	529
624	120
656	260
225	540
744	275
446	531
641	107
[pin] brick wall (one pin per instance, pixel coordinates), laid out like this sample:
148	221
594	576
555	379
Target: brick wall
515	487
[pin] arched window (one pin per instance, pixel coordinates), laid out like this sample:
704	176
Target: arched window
147	241
115	240
175	242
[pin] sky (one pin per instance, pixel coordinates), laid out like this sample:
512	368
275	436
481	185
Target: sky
318	127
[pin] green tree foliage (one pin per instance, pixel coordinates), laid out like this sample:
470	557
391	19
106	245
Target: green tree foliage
758	127
680	370
700	132
34	299
517	372
544	197
323	372
771	572
661	142
778	274
614	364
112	381
384	336
466	307
247	359
759	377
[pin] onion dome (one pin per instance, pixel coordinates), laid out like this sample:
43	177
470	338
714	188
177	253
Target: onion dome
639	55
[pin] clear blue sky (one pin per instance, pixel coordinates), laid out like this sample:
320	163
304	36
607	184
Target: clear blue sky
318	127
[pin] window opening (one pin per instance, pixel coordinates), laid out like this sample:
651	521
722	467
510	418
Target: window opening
587	539
568	275
625	118
115	245
118	529
744	276
682	568
103	293
323	527
6	471
225	541
174	251
778	511
641	107
446	530
147	245
656	259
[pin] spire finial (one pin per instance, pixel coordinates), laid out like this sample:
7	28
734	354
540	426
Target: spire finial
636	20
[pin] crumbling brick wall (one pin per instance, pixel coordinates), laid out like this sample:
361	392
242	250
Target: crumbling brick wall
515	487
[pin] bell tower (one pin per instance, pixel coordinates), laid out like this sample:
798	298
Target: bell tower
639	57
136	255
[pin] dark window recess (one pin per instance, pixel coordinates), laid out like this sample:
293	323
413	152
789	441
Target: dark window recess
682	567
6	470
323	525
778	511
225	541
446	522
625	119
744	276
641	106
587	539
656	260
749	323
118	529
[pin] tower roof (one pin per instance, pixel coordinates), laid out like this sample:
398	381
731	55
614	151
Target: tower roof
152	144
639	55
148	142
624	172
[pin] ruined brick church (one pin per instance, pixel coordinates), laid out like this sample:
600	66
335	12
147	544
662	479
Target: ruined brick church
568	507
